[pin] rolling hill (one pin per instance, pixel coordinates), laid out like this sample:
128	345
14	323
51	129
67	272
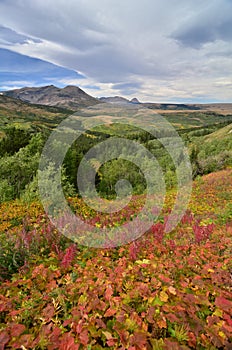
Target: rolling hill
24	115
222	133
18	112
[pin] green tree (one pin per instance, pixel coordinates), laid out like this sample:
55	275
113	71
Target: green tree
13	140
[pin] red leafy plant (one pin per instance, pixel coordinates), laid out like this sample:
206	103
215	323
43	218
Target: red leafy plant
69	256
158	231
202	232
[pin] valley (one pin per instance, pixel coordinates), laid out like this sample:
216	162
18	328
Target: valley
164	290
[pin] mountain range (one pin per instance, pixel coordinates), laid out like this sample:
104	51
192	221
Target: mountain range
72	98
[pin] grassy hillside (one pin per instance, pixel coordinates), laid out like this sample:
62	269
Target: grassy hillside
32	116
222	133
14	112
186	120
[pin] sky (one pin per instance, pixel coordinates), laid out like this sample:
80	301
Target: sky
155	50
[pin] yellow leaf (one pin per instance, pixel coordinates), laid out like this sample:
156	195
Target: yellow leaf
210	270
163	296
218	313
222	334
141	262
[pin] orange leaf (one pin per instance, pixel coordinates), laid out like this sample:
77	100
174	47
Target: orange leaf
162	323
110	312
108	292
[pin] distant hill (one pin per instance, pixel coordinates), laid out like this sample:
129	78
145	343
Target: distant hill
114	99
24	115
71	97
118	100
134	100
173	106
219	108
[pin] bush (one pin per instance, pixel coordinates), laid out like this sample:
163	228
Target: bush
6	191
18	170
12	257
216	162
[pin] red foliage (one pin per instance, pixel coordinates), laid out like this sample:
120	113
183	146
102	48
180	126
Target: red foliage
175	295
69	256
68	343
133	251
202	233
4	339
158	231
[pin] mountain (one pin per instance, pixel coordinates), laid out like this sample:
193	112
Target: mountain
118	99
114	99
71	97
134	100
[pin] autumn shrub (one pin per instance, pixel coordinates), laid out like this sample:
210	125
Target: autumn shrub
18	250
169	291
202	232
158	231
215	162
69	256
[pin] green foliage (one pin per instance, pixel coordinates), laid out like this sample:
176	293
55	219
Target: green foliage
12	256
117	169
20	149
60	181
18	170
13	140
6	191
179	332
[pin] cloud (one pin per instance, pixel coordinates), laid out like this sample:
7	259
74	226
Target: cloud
9	36
208	23
151	49
127	88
